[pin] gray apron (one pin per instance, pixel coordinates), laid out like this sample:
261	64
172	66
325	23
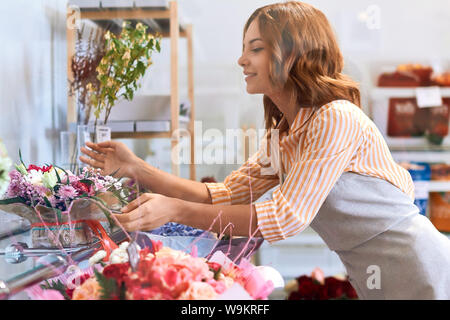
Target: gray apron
390	251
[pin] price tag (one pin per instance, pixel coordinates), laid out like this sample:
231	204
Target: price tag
429	97
103	134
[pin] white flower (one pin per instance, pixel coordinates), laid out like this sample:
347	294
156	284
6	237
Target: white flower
34	177
118	185
118	255
109	179
124	245
97	257
61	173
21	168
5	164
49	179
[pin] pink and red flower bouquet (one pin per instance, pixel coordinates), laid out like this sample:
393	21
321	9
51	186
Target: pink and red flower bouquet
62	207
161	273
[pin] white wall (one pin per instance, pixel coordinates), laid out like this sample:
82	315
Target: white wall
32	77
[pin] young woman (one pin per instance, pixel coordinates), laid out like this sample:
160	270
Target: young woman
333	170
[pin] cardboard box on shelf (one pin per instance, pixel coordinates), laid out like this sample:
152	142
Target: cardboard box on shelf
440	172
406	119
440	210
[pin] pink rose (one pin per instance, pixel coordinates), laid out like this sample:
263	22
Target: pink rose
199	291
219	286
149	293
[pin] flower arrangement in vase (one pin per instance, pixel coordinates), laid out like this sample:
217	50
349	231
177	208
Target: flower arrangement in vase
64	209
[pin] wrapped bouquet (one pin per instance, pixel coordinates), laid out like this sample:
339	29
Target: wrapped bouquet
157	272
64	209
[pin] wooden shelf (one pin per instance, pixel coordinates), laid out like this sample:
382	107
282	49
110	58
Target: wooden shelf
140	135
144	135
156	17
163	19
420	156
135	14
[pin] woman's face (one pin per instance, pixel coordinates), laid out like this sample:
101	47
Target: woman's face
255	61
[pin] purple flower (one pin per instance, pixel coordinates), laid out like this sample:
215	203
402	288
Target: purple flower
73	178
42	191
67	192
16	186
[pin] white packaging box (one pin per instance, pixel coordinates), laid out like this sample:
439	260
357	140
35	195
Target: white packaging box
116	126
86	3
117	3
151	3
152	126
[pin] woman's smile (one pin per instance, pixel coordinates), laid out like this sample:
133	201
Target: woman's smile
249	75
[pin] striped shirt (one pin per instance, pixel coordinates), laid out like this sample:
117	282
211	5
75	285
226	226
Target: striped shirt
320	145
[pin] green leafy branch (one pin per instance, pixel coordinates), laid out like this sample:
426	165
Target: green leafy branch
108	286
125	62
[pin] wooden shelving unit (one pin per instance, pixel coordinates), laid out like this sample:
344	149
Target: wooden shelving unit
167	17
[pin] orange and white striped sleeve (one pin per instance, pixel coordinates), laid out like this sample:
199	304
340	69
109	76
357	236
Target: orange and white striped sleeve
330	144
246	184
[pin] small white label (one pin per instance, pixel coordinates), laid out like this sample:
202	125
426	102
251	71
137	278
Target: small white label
429	97
103	134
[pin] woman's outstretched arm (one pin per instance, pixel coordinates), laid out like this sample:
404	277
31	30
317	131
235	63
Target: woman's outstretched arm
114	156
167	184
150	211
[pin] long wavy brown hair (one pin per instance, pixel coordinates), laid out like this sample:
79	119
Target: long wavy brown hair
305	58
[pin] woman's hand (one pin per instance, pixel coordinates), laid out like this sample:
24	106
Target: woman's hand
111	156
148	212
